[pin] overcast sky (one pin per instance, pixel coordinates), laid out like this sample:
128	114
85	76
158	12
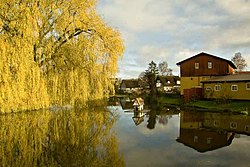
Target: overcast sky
173	30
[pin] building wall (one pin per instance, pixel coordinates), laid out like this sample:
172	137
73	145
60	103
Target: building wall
192	94
123	86
241	94
219	67
191	82
231	70
235	123
203	140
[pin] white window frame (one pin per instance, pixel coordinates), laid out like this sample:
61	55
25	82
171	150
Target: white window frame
233	87
209	65
248	86
216	123
208	89
209	139
233	125
196	66
247	128
216	88
208	122
196	139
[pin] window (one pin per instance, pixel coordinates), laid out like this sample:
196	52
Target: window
247	128
209	65
208	89
234	87
196	139
217	87
233	125
216	123
196	66
158	83
208	122
209	140
248	86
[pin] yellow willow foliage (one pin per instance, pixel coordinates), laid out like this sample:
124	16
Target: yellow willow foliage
21	86
55	52
58	138
68	88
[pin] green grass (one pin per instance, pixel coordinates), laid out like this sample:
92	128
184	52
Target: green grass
207	105
170	100
233	106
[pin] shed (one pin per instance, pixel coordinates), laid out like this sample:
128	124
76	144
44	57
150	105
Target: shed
138	104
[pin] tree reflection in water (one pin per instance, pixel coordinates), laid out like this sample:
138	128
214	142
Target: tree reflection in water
63	138
151	119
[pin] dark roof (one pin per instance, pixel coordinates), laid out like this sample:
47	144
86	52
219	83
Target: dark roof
126	105
164	79
229	78
131	83
206	54
138	120
242	72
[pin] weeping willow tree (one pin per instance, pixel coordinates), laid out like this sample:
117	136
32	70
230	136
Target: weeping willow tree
54	52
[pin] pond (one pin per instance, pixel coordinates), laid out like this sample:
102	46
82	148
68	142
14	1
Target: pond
117	137
183	139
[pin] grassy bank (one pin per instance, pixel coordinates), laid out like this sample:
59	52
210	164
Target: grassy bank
206	105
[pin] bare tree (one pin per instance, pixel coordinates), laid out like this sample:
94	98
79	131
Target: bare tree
164	70
163	67
239	61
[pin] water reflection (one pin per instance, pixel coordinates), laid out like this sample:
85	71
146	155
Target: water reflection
202	137
204	131
151	119
126	104
62	138
138	117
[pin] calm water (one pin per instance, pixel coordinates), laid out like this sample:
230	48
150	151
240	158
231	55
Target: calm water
97	137
184	139
59	138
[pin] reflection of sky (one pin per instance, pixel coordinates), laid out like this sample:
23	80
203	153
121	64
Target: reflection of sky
158	147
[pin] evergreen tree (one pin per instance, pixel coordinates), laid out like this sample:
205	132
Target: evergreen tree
151	74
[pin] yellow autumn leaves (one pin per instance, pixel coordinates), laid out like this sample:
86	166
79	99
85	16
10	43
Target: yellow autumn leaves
54	52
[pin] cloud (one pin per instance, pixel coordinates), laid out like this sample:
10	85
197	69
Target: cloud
148	53
175	30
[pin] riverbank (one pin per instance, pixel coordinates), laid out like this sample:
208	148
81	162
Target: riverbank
232	106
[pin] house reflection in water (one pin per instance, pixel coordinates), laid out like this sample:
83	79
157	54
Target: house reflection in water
126	104
205	131
138	117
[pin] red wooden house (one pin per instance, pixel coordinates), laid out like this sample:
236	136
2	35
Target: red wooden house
201	67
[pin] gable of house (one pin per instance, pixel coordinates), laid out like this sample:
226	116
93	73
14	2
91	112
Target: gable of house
204	64
138	102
